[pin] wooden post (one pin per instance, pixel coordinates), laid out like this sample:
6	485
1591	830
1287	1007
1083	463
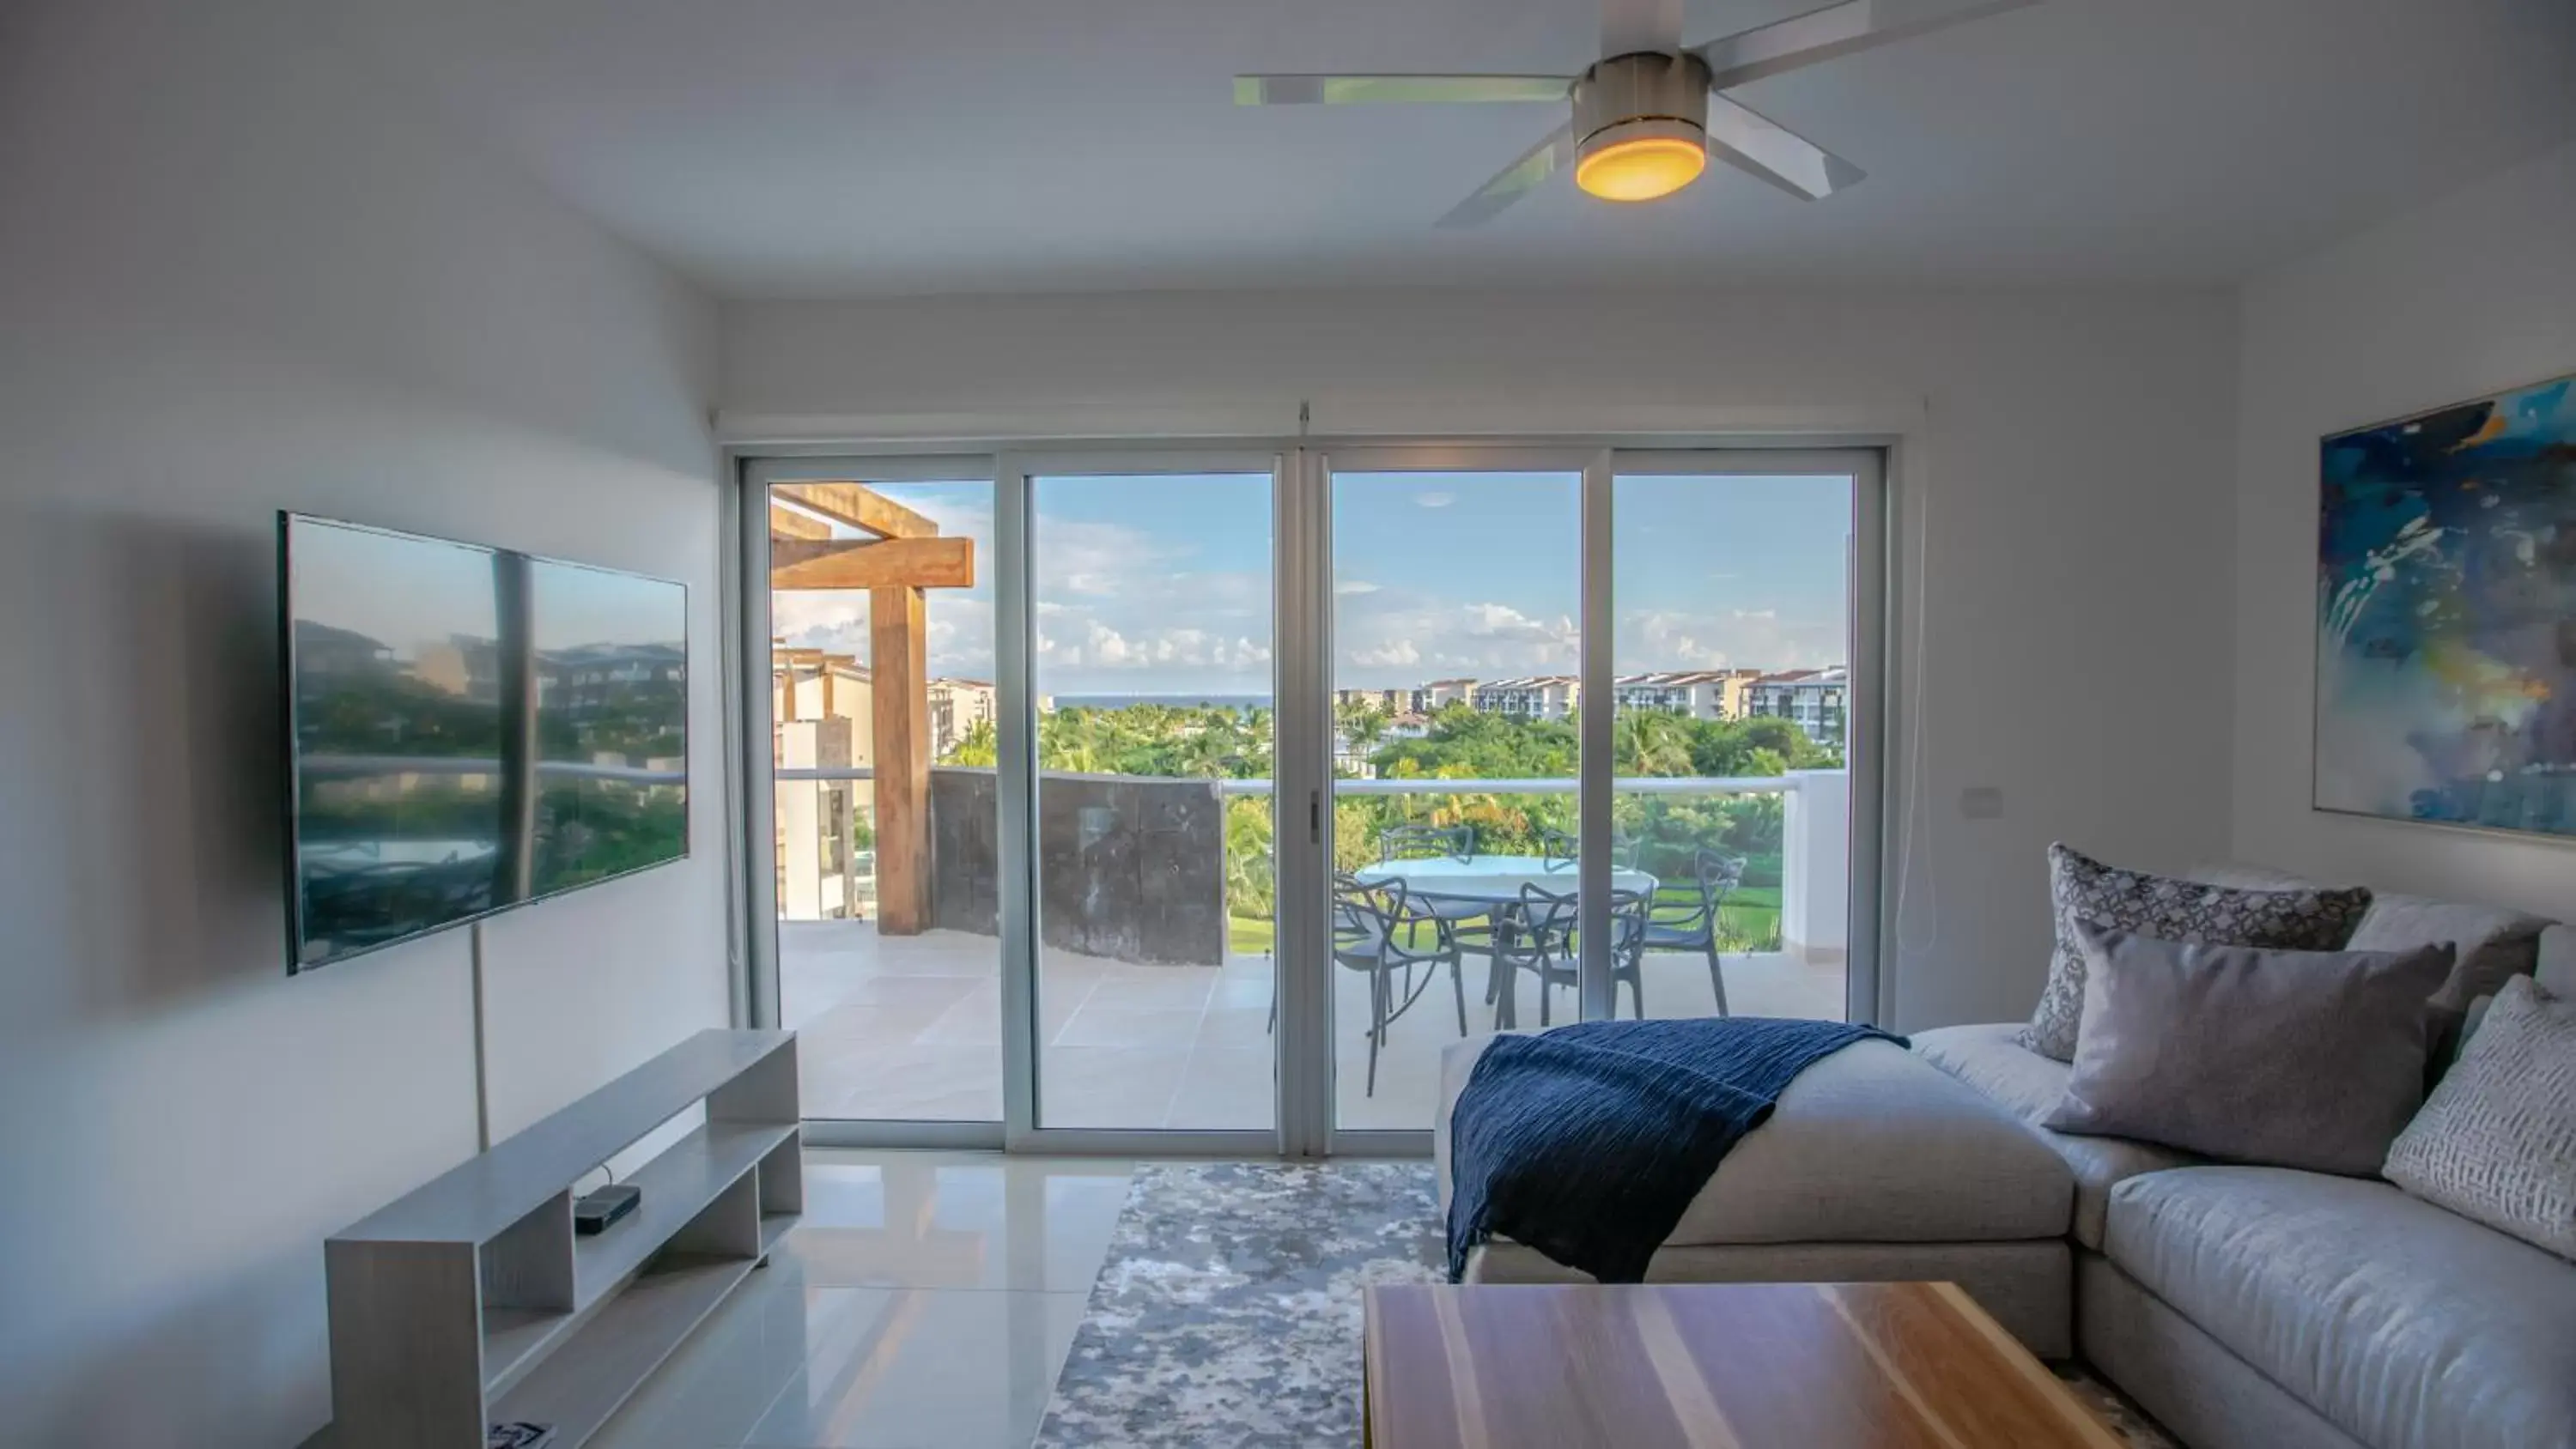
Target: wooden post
903	555
897	635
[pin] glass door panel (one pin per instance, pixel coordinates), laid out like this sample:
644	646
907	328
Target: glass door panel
882	708
1731	650
1456	603
1151	664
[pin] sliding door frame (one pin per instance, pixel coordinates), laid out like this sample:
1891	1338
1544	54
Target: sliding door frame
1586	463
758	762
1301	470
1868	622
1015	476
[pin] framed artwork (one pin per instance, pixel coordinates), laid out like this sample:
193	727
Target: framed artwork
2446	615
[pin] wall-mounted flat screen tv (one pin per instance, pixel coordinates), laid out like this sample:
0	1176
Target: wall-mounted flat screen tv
469	729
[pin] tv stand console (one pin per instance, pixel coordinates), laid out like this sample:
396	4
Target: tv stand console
472	1302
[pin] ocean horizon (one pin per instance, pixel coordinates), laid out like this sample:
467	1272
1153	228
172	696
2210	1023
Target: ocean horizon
1174	701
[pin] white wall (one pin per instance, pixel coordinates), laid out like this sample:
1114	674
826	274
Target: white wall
2069	452
238	273
2472	293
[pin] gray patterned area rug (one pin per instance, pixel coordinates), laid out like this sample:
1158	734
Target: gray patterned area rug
1228	1312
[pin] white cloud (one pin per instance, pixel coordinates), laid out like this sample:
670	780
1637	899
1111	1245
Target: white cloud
1122	609
1502	621
1393	629
1653	639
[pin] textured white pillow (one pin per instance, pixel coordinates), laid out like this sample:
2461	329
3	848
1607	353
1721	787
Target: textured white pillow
2496	1142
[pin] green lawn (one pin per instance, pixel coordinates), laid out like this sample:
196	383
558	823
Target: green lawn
1750	919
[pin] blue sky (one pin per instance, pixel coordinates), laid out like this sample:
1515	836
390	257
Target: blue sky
1162	585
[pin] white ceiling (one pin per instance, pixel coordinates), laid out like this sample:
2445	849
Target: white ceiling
788	148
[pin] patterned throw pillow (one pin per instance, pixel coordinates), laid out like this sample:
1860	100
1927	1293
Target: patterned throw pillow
2084	891
2497	1141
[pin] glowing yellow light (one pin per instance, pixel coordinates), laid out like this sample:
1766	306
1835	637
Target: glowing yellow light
1642	168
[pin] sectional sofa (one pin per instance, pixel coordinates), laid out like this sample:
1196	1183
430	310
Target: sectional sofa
2263	1308
2244	1307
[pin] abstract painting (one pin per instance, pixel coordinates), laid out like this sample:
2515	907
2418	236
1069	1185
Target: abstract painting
2446	616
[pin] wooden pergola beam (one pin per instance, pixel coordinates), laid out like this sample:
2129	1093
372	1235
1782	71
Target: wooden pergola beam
786	522
903	556
890	563
859	506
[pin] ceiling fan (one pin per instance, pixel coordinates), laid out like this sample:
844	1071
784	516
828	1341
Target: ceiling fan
1648	115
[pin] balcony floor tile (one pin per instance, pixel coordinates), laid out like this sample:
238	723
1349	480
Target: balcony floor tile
910	1028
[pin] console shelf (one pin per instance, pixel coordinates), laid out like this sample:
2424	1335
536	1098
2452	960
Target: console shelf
472	1301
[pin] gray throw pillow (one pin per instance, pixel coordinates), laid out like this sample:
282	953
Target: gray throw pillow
2083	892
2308	1059
2497	1141
2495	944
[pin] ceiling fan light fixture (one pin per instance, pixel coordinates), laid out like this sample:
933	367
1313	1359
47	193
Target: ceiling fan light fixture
1642	126
1641	160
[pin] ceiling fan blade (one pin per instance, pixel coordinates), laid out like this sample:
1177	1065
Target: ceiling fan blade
1630	26
1516	180
1835	30
1754	143
1353	90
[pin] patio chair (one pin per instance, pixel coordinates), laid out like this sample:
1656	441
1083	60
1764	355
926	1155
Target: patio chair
1559	850
1374	932
1537	934
1425	842
1686	918
1465	919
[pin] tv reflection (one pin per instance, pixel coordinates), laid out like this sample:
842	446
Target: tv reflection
474	728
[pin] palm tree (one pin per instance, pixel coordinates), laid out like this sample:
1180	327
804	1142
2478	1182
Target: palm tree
1363	725
1650	742
977	746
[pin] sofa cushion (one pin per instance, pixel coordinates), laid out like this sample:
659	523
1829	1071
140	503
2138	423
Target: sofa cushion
2497	1143
2310	1059
2239	875
1868	1145
2555	967
2406	1326
2030	1086
2083	891
1874	1145
2495	944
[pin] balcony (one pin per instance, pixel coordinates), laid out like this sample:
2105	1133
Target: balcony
1155	978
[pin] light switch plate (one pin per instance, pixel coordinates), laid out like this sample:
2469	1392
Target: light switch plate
1981	802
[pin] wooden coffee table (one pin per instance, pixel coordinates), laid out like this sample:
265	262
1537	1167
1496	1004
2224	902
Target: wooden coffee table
1707	1366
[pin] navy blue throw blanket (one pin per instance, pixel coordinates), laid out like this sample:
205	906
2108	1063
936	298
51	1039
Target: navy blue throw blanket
1588	1142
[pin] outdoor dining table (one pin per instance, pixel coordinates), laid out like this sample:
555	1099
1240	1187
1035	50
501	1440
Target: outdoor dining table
1459	889
1495	878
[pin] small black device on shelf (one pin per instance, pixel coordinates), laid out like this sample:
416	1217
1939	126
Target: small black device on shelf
593	1212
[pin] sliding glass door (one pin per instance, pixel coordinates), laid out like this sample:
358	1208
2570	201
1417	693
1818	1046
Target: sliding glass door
1149	663
1457	593
879	659
1731	655
1196	798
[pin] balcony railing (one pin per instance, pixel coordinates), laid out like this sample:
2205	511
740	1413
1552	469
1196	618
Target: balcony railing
1109	888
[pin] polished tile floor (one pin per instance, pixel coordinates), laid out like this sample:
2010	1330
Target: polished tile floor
926	1301
909	1027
